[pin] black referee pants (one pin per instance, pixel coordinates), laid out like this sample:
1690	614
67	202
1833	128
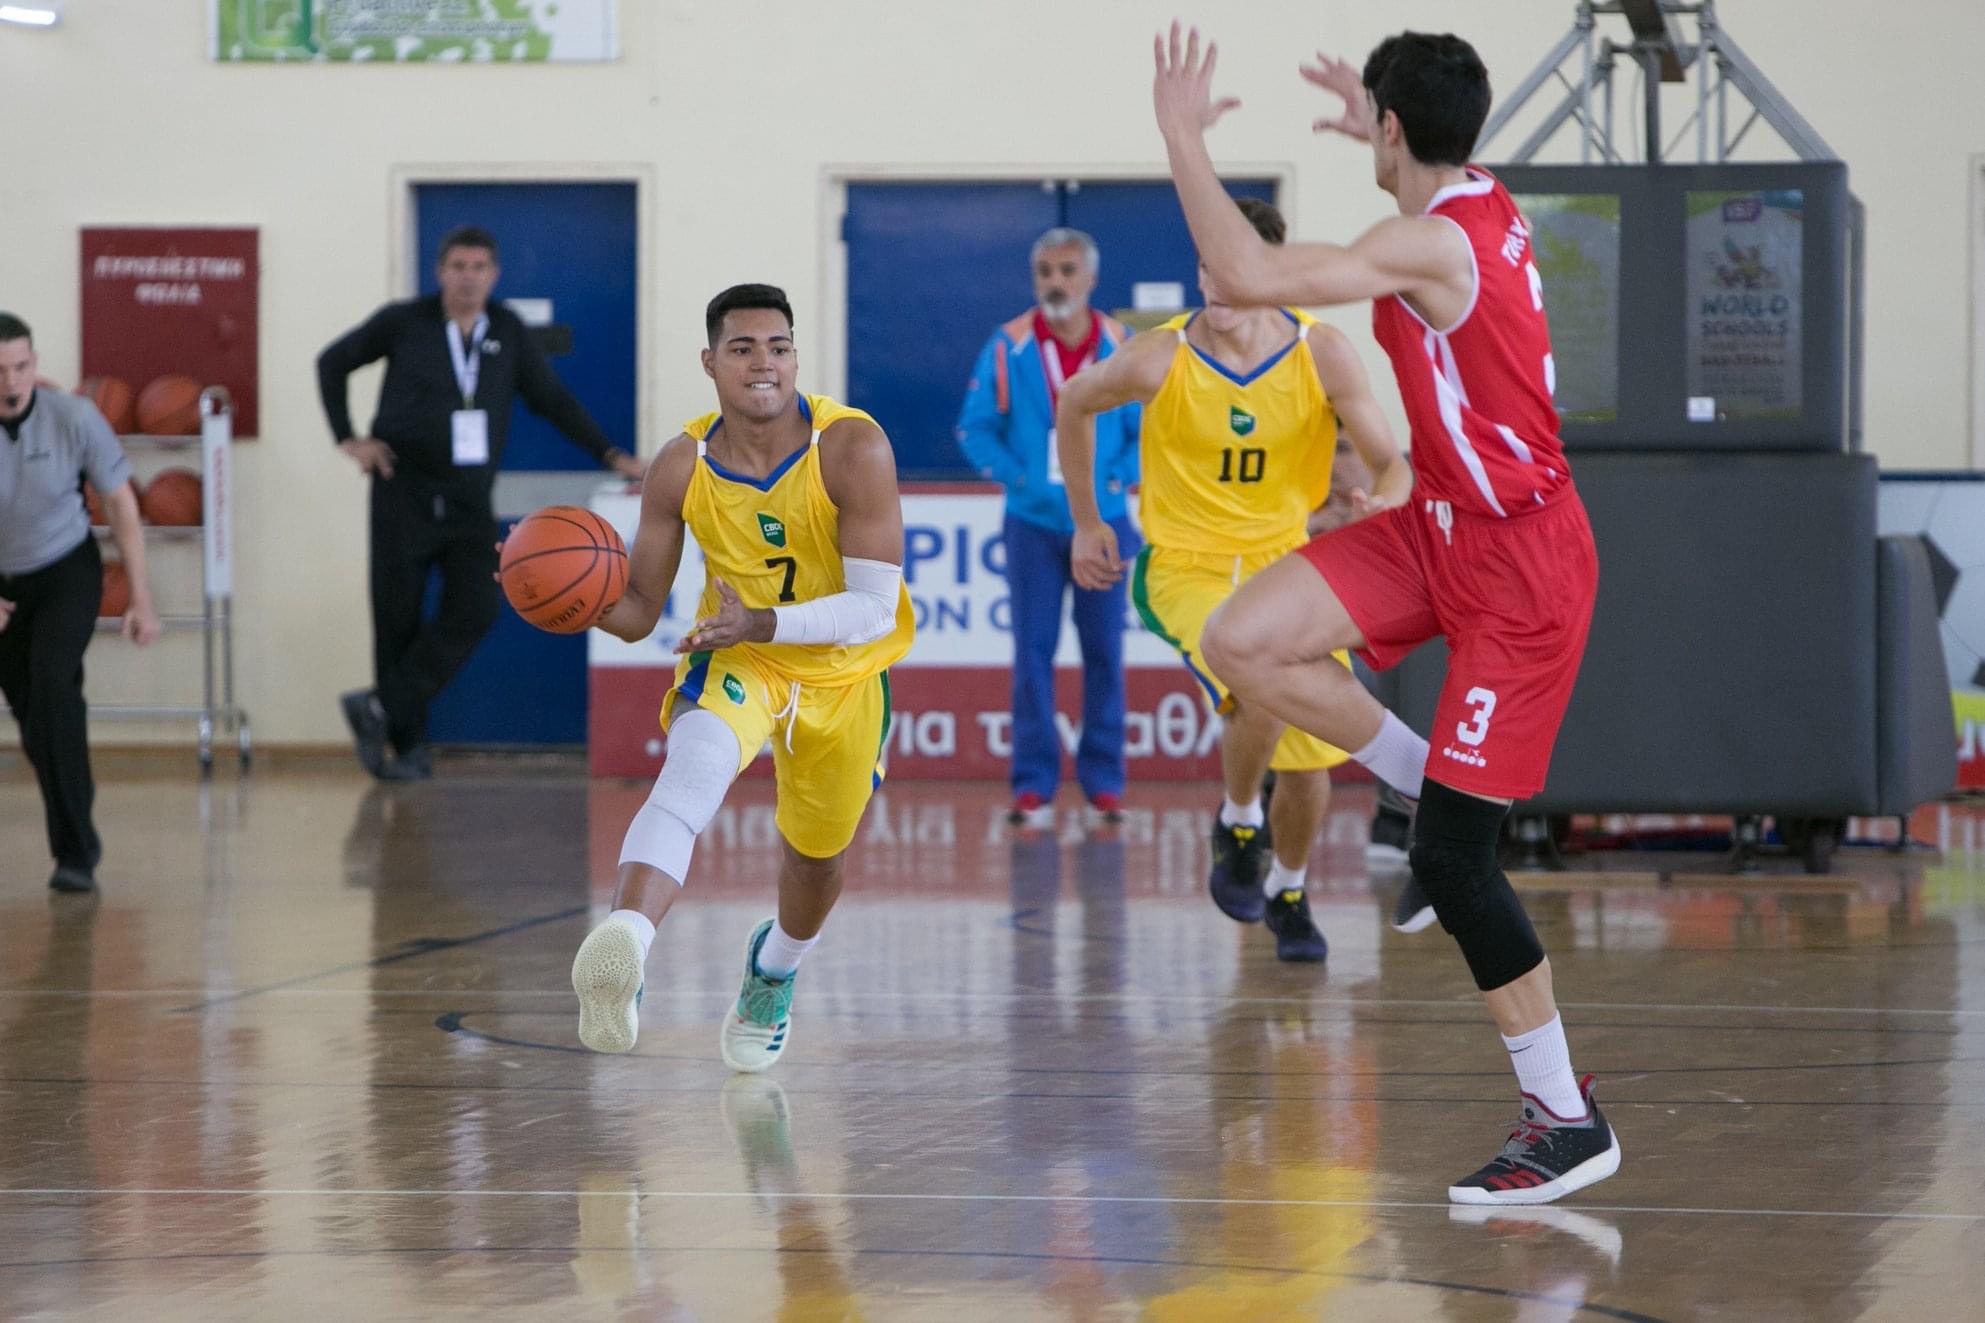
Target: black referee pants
41	673
415	529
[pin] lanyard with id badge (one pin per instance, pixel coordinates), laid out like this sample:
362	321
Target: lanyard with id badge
468	425
1051	368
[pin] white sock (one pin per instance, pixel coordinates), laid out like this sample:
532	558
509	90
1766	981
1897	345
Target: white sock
1281	878
643	926
1241	815
779	955
1396	756
1543	1069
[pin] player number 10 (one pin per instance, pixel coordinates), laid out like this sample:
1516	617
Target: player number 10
1254	463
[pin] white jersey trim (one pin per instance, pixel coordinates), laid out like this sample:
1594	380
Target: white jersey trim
1448	393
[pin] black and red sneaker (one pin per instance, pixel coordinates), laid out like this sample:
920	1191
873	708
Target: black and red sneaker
1546	1157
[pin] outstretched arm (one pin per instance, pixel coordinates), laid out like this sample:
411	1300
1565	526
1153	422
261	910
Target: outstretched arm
656	555
1350	391
1416	256
1132	374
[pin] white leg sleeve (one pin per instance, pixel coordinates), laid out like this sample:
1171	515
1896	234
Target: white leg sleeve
702	763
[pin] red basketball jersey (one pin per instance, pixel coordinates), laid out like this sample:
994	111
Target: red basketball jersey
1478	395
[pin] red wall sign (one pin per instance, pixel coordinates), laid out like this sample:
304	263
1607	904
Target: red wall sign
159	302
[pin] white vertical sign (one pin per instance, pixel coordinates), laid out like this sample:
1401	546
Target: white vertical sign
217	492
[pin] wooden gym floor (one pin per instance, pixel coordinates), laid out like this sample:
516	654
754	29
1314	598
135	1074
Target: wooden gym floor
311	1056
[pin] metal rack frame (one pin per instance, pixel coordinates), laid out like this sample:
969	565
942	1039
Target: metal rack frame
217	710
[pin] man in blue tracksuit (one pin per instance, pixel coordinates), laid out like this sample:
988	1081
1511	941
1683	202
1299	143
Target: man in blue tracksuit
1007	432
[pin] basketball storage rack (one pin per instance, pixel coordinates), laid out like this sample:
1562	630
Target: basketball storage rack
216	712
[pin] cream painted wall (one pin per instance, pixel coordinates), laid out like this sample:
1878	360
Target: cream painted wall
744	116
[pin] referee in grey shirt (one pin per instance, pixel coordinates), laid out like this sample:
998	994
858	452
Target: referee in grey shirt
51	585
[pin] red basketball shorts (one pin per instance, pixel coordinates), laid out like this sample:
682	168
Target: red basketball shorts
1513	597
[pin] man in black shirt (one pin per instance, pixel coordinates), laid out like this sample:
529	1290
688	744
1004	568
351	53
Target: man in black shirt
455	363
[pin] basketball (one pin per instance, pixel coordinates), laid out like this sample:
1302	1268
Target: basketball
169	406
172	498
116	590
112	397
562	568
93	502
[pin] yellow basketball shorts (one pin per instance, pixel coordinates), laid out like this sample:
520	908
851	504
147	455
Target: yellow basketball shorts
827	740
1176	592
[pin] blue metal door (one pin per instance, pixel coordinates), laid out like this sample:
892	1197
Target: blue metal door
934	268
575	245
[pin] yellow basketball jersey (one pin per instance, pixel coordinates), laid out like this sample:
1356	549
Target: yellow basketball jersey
778	540
1234	465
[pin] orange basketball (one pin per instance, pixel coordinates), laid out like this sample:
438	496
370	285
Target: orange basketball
172	498
116	590
169	406
93	502
112	397
562	568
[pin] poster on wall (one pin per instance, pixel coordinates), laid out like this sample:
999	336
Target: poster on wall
1948	511
413	31
1575	243
174	302
1746	253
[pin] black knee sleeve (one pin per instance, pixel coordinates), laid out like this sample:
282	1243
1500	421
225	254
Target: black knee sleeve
1454	860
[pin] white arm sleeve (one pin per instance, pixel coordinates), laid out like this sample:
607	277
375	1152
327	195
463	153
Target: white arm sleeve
862	614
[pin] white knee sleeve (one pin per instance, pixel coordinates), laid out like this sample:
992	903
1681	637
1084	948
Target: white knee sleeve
702	763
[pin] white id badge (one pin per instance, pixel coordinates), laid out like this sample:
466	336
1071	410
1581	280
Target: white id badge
471	436
1054	459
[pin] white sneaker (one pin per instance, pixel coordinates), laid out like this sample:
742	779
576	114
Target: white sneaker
607	976
759	1023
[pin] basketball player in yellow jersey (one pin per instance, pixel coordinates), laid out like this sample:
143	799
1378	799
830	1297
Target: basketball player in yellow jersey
1241	410
792	499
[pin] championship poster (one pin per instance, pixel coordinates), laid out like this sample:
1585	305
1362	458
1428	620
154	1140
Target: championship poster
1745	256
413	31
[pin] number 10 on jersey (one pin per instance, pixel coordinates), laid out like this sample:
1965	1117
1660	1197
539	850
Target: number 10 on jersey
1253	464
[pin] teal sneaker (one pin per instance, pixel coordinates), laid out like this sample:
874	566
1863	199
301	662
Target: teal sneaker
760	1021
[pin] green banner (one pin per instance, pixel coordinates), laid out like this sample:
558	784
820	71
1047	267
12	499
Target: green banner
413	31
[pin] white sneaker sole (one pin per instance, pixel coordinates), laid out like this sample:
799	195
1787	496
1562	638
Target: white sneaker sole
606	974
1589	1172
1601	1237
759	1060
1419	921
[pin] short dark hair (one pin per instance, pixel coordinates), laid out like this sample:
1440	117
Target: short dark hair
1265	218
13	328
738	298
466	236
1438	87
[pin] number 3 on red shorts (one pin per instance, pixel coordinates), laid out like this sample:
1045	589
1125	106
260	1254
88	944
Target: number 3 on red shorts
1476	729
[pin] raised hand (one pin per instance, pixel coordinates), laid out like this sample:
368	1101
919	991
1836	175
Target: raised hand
1182	92
1340	76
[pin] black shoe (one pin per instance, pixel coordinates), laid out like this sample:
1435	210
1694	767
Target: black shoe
1546	1157
368	722
1412	912
416	764
1240	861
1296	936
71	880
1392	829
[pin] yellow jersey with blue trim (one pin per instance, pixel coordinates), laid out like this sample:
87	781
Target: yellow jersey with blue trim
777	540
1233	463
